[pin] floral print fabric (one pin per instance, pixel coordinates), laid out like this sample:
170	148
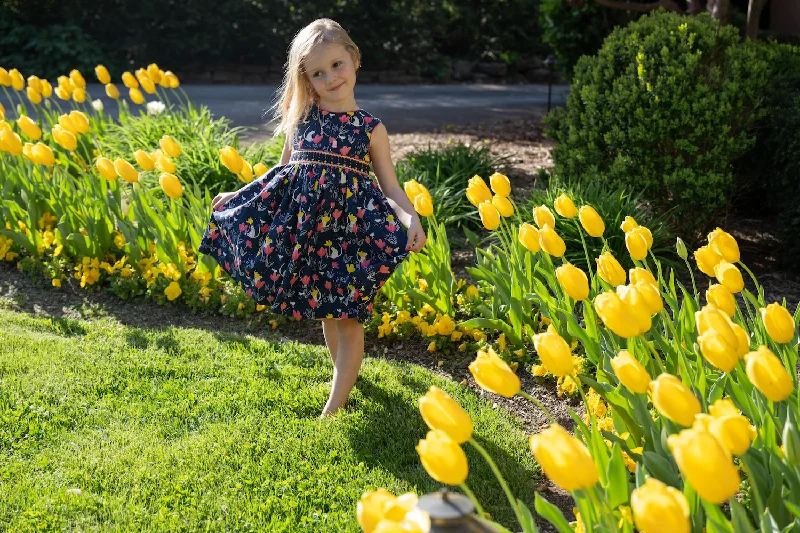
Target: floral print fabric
315	238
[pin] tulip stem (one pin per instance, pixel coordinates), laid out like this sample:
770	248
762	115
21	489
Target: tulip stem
694	286
752	276
475	501
585	251
538	404
499	477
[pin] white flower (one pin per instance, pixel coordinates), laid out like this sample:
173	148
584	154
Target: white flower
97	105
155	107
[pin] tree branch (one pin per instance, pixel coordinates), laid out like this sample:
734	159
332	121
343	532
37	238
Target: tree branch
753	16
669	5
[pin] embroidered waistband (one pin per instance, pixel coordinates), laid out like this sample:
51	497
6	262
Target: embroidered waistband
329	159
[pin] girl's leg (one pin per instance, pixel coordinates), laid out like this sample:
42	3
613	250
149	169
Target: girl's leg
331	337
350	353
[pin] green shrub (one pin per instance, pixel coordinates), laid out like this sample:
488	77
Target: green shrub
665	107
445	172
613	204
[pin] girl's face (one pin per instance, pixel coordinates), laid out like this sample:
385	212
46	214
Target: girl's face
331	71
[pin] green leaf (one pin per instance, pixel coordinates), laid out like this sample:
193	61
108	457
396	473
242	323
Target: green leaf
741	522
617	479
528	522
552	514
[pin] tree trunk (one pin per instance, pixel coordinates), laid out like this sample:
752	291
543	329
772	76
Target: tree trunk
693	7
753	16
669	5
720	10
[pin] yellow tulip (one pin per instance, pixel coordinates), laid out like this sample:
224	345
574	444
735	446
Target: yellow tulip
551	242
129	81
705	464
153	72
165	164
63	93
47	89
630	372
423	205
173	291
477	191
674	400
744	340
729	276
717	351
412	189
543	217
591	221
79	95
148	85
706	259
609	269
77	79
17	81
43	155
711	318
2	112
529	237
443	458
564	459
768	375
10	142
628	224
616	315
66	122
126	171
500	184
490	217
440	411
722	299
30	128
170	146
5	79
171	185
637	275
136	96
565	207
574	281
659	508
231	159
174	83
260	169
651	296
106	168
369	510
33	96
112	91
27	151
142	74
724	245
144	160
554	352
636	244
35	83
102	74
732	429
494	374
641	311
779	323
503	205
66	139
79	121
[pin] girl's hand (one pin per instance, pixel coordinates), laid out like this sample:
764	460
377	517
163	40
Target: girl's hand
416	235
221	199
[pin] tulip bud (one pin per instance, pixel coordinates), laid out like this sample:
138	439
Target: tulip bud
500	184
423	205
31	130
551	242
729	276
609	270
369	510
66	139
722	299
106	168
724	245
136	96
129	81
628	224
503	205
170	146
591	221
630	372
565	207
148	85
443	458
768	375
477	191
743	340
542	217
63	93
791	439
529	237
10	142
79	121
658	507
494	374
43	155
779	323
554	352
77	79
734	432
174	83
564	459
112	91
165	164
33	96
171	185
641	275
680	247
650	295
440	411
5	79
153	72
718	351
102	74
616	315
17	81
705	464
260	169
674	400
636	243
27	152
709	318
144	160
412	189
641	311
706	259
126	171
490	217
79	95
231	159
574	281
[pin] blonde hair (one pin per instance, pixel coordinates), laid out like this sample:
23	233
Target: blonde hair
296	94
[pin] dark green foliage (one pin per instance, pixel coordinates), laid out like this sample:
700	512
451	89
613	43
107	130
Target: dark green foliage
666	107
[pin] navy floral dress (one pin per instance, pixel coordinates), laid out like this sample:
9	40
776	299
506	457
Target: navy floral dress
315	238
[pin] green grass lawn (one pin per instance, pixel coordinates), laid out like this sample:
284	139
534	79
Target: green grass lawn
191	430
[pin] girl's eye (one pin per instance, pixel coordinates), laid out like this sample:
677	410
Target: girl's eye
317	74
337	64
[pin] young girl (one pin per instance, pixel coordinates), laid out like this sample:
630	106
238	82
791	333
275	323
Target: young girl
315	237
